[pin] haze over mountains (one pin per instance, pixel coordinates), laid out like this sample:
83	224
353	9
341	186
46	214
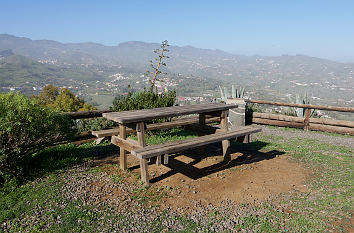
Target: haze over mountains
44	61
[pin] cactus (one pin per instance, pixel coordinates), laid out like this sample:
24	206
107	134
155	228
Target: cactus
235	93
299	99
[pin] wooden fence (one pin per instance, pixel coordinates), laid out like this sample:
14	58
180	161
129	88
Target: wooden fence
307	123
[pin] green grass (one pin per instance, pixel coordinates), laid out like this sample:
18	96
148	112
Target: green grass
44	198
167	135
329	199
58	158
332	193
301	130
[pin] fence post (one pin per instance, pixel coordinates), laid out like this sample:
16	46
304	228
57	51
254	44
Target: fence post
307	119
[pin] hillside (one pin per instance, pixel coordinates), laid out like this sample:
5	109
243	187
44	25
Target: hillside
20	71
326	82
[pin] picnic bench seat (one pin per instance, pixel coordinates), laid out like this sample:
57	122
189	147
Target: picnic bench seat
144	153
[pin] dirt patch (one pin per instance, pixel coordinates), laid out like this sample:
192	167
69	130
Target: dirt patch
190	178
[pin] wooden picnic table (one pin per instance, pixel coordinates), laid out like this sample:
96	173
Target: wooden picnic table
137	120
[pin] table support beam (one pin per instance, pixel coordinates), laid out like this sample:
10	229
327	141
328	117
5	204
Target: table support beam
140	130
201	150
123	153
144	172
225	143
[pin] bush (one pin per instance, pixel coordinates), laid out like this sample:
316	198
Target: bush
62	100
83	125
143	100
25	128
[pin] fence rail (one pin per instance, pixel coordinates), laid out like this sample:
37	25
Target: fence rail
310	106
307	123
86	114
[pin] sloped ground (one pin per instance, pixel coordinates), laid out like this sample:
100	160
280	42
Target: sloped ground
287	181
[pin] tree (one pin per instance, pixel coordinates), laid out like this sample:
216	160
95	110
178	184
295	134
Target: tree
48	94
156	69
68	102
62	100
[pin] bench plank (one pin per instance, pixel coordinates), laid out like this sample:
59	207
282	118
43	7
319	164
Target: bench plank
172	147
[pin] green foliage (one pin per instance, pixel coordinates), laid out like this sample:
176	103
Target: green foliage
143	100
82	125
62	100
68	102
250	108
26	127
48	94
299	112
168	135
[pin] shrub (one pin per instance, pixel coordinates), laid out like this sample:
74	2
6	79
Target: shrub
25	128
82	125
62	100
144	99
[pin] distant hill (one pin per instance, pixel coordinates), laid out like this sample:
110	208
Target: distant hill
18	70
278	75
6	53
186	60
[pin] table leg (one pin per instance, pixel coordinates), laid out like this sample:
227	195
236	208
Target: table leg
201	150
123	153
225	143
140	130
165	159
144	172
158	160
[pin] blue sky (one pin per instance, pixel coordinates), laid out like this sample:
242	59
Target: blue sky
317	28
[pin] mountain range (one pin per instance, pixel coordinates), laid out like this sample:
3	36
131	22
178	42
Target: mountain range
52	60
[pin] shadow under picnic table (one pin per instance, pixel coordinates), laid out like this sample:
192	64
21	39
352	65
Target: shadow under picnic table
250	153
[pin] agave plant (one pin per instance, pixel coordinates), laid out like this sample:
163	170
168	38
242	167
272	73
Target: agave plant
235	93
299	99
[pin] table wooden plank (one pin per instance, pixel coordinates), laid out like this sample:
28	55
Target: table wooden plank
156	113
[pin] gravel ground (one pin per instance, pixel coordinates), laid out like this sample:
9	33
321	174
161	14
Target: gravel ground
339	140
142	217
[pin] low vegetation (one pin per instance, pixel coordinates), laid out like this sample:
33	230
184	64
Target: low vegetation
41	205
25	128
62	100
143	100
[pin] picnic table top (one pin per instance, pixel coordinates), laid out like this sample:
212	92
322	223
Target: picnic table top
155	113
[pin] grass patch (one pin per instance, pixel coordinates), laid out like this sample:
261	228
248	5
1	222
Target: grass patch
329	200
331	195
61	157
43	201
163	136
